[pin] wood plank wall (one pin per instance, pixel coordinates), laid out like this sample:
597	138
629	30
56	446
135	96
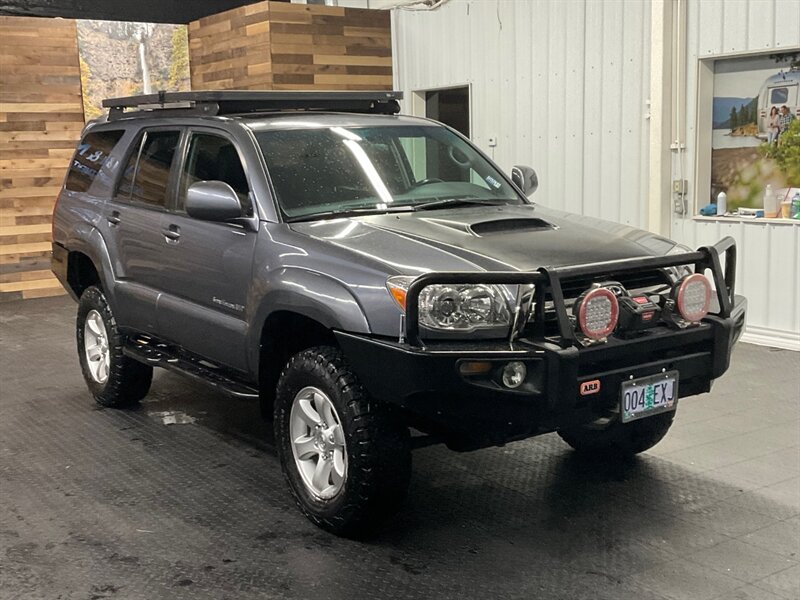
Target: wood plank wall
41	116
273	45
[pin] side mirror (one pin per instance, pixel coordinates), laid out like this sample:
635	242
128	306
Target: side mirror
525	179
212	201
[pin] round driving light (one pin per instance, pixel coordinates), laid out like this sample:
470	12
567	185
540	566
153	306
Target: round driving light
514	374
598	313
694	297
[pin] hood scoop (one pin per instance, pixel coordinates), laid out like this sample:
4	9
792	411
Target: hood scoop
486	228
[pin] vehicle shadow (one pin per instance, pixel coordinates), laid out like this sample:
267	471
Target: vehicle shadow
524	520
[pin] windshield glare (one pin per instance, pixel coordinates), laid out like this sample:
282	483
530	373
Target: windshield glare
334	169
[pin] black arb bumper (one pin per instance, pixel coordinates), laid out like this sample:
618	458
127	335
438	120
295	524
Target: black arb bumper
474	411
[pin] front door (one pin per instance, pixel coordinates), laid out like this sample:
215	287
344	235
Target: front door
207	266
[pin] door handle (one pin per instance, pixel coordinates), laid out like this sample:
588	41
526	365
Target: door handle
114	219
172	234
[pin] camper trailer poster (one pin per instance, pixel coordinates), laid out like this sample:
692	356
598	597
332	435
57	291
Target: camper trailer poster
123	58
756	127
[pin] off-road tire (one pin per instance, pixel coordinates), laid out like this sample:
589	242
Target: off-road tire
128	380
377	444
619	439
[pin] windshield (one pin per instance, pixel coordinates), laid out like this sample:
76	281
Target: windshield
333	170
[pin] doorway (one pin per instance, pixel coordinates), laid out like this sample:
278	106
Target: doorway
449	106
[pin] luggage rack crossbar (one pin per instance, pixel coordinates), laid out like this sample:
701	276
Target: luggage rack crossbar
547	280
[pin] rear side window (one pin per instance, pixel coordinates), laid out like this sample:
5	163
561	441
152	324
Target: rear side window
89	157
146	176
214	158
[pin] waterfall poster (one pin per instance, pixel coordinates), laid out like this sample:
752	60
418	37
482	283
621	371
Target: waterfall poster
123	59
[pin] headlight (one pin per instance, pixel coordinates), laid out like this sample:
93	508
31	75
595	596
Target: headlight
456	307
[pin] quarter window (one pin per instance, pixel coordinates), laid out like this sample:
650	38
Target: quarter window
214	158
89	158
146	176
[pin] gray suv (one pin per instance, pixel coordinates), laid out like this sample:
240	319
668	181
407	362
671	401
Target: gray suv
378	284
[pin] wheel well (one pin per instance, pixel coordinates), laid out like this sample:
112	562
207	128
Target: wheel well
285	333
81	273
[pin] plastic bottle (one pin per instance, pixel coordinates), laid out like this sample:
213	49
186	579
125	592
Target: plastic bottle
771	206
722	203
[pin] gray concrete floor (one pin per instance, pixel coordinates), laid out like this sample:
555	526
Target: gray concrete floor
183	498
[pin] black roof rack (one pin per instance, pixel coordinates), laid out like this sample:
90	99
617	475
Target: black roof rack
211	103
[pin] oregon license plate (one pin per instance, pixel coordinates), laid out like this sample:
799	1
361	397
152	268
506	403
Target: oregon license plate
648	396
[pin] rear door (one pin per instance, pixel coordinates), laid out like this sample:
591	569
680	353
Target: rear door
134	217
206	269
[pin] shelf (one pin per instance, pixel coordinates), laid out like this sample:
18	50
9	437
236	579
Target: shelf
738	219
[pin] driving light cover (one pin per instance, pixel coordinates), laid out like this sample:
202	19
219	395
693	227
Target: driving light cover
598	312
693	297
456	307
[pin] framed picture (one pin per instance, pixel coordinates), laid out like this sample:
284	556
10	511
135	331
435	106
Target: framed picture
123	59
755	128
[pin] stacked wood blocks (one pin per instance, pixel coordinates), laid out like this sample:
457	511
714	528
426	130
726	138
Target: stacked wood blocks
280	46
41	116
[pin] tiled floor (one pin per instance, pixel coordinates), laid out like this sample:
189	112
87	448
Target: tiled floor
103	503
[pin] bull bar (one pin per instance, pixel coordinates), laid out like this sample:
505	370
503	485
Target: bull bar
547	280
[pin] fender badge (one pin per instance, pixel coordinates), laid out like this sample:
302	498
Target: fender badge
590	387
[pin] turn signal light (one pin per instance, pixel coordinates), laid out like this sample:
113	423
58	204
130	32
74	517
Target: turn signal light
598	312
693	297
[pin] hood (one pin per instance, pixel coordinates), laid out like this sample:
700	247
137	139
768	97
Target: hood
496	238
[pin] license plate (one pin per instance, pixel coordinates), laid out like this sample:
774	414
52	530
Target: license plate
648	396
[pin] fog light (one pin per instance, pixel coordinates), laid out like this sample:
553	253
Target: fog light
514	374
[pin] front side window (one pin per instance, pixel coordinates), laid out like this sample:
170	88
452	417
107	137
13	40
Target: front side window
146	175
329	170
214	158
89	158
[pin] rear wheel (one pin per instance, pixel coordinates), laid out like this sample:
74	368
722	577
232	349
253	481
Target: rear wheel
619	439
346	457
114	379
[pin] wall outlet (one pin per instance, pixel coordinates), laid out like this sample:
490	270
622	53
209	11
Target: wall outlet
492	141
680	186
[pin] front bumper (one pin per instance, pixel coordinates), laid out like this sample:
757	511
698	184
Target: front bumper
470	413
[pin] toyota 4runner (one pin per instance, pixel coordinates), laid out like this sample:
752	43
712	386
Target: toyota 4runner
367	276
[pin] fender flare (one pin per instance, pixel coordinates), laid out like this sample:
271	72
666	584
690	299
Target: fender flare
310	294
89	242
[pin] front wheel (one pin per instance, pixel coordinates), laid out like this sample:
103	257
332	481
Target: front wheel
114	379
346	457
619	439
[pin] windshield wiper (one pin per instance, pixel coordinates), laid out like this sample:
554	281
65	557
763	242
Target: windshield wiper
447	202
343	214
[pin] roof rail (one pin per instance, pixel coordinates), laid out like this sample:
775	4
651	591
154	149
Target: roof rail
211	103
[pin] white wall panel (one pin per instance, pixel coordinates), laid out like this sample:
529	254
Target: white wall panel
561	85
769	267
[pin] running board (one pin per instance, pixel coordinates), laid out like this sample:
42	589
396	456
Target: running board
157	354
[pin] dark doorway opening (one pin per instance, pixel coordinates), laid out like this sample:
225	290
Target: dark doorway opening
450	106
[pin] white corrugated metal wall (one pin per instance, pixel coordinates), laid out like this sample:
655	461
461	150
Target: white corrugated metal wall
769	254
563	86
